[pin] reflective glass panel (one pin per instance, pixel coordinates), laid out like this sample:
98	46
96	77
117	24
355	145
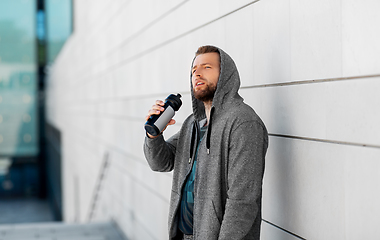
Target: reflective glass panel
58	26
18	93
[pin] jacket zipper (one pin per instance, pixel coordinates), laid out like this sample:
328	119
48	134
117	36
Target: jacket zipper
196	177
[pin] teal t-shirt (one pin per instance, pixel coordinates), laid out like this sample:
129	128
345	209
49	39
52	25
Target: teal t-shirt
187	201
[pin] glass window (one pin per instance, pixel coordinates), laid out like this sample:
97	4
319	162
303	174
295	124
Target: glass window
18	93
58	26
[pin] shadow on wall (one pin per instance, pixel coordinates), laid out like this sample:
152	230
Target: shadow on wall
284	165
281	168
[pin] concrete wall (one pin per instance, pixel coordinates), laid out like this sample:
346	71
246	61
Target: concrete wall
309	68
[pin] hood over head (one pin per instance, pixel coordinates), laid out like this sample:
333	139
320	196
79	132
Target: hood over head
226	93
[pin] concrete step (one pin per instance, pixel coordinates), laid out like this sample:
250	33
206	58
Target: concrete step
61	231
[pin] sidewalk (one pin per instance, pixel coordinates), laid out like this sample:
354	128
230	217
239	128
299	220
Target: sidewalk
24	210
31	219
61	231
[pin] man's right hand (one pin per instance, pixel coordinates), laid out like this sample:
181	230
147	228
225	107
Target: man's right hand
156	109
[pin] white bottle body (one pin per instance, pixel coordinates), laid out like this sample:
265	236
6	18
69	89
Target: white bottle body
164	118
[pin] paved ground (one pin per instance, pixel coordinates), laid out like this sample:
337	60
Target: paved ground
61	231
24	210
36	219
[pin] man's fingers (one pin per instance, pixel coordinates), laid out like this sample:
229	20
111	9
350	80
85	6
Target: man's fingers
156	110
158	107
160	103
171	122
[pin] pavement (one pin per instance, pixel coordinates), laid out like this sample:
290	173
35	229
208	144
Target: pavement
61	231
24	210
32	219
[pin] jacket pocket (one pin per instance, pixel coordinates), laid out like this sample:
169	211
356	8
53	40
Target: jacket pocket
207	223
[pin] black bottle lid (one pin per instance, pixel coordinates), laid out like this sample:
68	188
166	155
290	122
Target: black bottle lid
174	101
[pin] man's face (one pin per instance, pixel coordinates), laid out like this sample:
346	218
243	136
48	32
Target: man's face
205	75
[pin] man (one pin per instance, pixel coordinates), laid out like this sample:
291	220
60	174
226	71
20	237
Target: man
217	156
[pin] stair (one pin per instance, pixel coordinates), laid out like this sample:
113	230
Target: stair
61	231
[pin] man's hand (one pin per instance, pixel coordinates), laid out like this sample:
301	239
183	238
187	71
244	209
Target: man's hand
156	109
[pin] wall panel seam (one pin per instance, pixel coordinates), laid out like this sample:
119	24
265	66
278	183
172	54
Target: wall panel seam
283	229
149	50
112	147
110	188
325	140
139	32
107	21
183	93
141	183
89	176
158	46
300	82
176	37
109	146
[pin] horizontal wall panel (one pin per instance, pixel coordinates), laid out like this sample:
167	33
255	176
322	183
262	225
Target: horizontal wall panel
144	204
315	37
121	156
156	182
343	111
271	44
132	227
360	37
362	178
321	184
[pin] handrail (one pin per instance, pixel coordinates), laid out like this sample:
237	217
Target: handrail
98	185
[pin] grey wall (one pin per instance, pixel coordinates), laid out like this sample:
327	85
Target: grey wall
309	68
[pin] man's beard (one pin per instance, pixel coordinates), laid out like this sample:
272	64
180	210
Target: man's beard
206	94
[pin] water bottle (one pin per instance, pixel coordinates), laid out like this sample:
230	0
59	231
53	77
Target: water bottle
157	123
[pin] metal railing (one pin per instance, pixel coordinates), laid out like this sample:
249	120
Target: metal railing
99	181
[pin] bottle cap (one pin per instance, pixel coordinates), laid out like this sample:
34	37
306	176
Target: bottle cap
174	101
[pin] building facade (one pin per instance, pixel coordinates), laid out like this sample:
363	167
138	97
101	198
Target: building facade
310	69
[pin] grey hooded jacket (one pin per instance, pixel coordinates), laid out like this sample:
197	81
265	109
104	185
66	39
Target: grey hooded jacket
230	164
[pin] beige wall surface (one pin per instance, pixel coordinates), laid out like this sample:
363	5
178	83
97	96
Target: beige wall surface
310	69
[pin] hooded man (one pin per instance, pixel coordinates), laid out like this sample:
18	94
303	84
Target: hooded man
217	157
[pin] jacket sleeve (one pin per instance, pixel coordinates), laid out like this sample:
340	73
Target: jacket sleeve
159	153
247	149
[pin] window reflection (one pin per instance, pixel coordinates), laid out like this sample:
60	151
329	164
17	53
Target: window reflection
18	71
